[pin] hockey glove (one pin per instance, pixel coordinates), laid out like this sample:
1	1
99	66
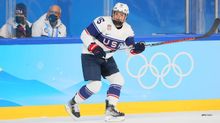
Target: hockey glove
20	32
138	48
96	50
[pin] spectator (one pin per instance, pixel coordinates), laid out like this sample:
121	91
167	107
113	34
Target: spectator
49	24
19	27
0	34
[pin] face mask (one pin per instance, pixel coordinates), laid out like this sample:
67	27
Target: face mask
19	20
53	18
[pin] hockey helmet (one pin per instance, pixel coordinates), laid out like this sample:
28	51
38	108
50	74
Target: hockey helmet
121	7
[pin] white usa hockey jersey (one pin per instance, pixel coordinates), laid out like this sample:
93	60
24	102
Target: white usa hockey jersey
104	33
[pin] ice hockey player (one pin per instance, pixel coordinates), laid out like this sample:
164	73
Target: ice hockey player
104	34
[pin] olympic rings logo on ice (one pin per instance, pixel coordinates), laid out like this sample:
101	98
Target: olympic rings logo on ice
160	75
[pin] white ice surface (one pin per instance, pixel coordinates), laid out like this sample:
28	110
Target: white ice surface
178	117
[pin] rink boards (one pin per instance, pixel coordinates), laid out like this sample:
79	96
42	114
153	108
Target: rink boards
38	76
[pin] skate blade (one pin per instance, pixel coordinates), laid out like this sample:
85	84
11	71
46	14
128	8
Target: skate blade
114	119
68	110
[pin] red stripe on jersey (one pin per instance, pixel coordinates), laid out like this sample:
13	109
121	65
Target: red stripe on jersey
87	32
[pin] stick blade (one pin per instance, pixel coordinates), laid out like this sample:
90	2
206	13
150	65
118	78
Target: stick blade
211	30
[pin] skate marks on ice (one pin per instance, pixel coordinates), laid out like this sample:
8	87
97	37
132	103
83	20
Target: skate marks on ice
179	117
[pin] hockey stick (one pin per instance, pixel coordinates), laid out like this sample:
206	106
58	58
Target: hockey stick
209	33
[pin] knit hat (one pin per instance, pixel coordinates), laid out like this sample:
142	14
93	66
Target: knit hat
21	9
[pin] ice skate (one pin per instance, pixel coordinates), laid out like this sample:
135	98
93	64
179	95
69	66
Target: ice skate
112	114
73	109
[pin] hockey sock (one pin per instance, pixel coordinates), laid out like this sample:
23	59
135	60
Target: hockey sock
87	90
83	94
114	93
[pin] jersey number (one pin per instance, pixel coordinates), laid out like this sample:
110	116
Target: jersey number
100	20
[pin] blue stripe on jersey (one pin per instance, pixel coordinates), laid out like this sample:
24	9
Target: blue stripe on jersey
114	90
129	41
109	42
112	38
93	30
